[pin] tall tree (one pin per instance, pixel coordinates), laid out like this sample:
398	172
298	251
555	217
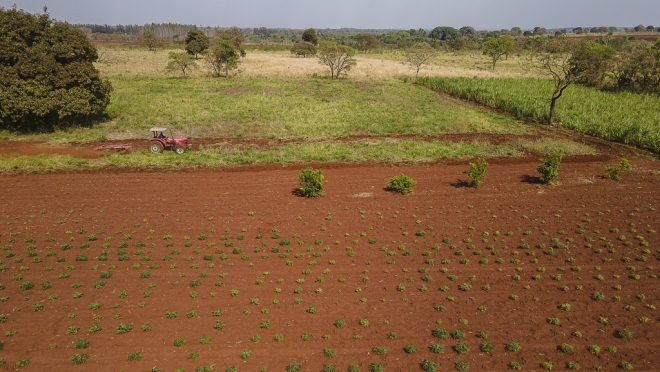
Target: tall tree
151	40
366	42
496	48
309	35
47	76
515	31
196	42
304	49
224	56
234	34
419	56
444	33
338	58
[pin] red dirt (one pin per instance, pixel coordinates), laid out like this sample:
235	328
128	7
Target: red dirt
218	203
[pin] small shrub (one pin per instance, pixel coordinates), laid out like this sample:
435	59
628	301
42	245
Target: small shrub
311	182
624	333
376	367
135	356
487	348
477	172
515	365
462	366
79	358
513	347
461	348
401	184
410	349
549	167
379	350
437	348
429	366
293	367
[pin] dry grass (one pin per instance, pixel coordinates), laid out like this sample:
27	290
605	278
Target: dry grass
389	65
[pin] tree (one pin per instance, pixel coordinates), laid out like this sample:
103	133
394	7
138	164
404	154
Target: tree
309	35
180	62
151	39
468	31
366	42
458	44
650	28
234	34
419	56
196	42
496	48
540	31
47	76
304	49
557	57
444	33
224	57
596	59
515	31
639	28
339	58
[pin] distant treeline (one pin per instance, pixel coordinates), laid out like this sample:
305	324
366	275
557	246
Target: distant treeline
464	38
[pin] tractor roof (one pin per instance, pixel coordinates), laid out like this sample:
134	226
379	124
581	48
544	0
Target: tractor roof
158	129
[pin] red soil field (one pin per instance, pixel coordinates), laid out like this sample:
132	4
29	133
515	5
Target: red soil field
444	257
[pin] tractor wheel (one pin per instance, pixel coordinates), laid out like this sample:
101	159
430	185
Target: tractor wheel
179	150
156	147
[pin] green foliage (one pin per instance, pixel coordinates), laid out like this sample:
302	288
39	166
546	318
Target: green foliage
196	42
410	349
477	172
401	184
293	367
624	117
613	172
549	167
180	63
304	49
513	347
135	356
462	366
309	35
624	333
311	182
47	76
376	367
429	366
496	48
224	56
338	58
79	358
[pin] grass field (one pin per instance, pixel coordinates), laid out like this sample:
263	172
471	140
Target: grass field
123	61
623	117
286	108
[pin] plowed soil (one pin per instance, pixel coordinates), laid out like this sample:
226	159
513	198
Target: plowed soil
444	257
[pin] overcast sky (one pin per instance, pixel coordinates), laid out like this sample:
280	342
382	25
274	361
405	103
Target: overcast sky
399	14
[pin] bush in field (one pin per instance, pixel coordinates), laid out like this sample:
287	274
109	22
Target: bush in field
549	167
311	182
477	172
614	172
401	184
304	49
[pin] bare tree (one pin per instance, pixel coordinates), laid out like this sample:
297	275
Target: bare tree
339	58
557	57
419	56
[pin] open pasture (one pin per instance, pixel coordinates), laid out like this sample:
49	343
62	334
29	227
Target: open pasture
127	271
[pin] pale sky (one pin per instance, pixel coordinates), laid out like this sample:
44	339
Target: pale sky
381	14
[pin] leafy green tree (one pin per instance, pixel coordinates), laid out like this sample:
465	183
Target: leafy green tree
181	62
366	42
224	56
47	76
515	31
540	31
151	40
496	48
234	34
309	35
419	56
304	49
444	33
339	58
196	42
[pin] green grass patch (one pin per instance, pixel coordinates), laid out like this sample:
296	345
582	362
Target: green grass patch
290	108
622	117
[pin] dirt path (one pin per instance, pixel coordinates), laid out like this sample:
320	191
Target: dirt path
182	241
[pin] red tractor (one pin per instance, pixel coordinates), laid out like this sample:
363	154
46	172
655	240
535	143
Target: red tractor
160	141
